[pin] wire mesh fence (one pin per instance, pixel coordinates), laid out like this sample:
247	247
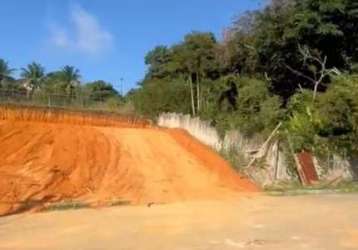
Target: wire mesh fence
76	100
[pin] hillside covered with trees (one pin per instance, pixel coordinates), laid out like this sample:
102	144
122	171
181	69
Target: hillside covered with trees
295	62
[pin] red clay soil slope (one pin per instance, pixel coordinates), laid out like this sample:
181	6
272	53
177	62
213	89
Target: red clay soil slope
43	162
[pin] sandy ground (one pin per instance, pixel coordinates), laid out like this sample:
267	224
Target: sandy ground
325	222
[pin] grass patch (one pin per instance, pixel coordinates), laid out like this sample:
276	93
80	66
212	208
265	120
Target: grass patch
115	203
295	188
67	205
73	205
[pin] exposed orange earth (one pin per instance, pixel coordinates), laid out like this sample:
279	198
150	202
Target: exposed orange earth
48	157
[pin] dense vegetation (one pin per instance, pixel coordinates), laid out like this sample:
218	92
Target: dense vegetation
293	62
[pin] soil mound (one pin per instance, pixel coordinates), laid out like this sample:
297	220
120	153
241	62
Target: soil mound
47	162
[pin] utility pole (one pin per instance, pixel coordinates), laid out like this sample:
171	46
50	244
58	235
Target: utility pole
121	79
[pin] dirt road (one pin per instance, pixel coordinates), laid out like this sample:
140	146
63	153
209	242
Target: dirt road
326	222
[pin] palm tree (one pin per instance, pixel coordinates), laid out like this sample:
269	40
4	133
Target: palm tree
70	75
5	71
34	75
71	78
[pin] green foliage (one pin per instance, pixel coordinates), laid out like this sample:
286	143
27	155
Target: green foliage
69	74
257	110
63	82
158	96
100	90
66	205
300	124
60	88
302	131
331	124
338	110
158	60
195	55
277	31
295	188
261	43
34	73
201	50
238	54
5	71
114	103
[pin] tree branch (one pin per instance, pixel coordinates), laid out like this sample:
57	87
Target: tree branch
300	74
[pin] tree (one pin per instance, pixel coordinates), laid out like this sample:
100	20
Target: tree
318	67
5	71
331	127
181	66
34	75
192	60
100	90
157	60
249	80
237	53
276	45
322	25
202	61
158	96
70	76
195	59
338	111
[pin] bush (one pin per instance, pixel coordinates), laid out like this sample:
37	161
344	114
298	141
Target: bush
114	103
330	125
258	111
338	112
301	121
160	96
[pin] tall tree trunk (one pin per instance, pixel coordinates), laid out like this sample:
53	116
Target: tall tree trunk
198	92
192	96
315	89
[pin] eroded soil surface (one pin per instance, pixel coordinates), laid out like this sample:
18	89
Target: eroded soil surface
44	162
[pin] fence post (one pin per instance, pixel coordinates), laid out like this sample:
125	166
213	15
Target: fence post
49	100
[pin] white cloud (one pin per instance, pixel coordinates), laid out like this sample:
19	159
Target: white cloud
59	37
84	33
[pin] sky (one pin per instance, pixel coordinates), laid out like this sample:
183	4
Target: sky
105	39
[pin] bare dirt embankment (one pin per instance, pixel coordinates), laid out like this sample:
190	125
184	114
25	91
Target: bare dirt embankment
48	156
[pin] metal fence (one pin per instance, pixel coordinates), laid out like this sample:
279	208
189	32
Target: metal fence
43	99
